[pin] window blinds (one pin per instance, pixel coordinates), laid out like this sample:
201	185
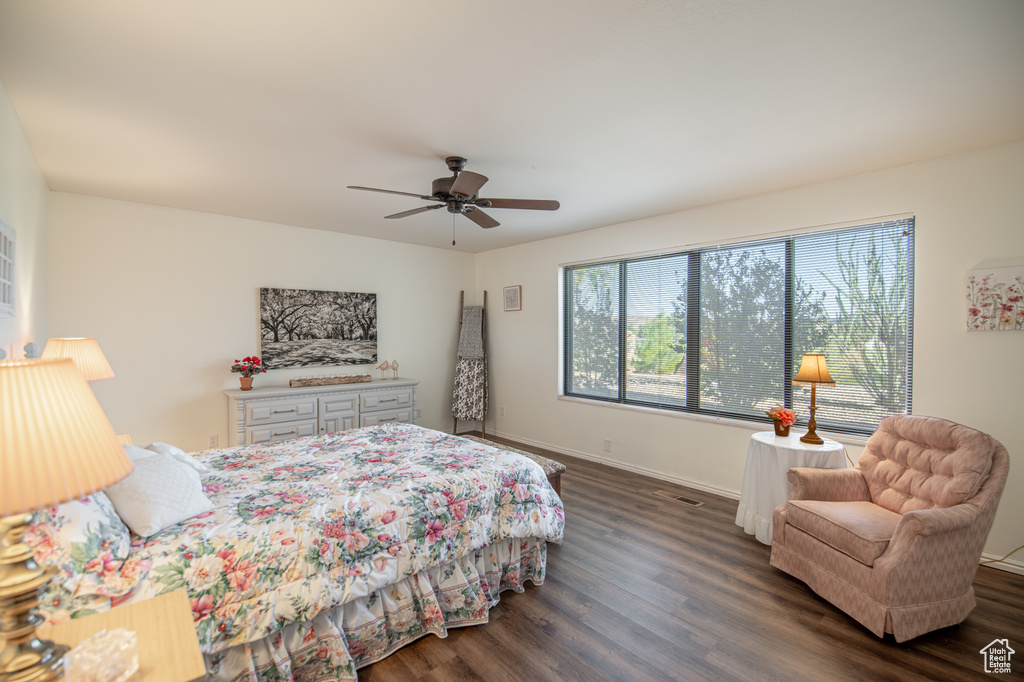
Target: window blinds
721	329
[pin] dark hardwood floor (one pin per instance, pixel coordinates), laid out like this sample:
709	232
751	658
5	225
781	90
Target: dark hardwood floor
645	588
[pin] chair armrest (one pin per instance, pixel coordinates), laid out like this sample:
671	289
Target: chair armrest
933	555
935	521
830	485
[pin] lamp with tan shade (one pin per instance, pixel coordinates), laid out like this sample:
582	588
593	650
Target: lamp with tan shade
56	445
813	371
84	352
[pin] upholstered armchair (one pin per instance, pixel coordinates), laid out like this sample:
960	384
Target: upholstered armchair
895	543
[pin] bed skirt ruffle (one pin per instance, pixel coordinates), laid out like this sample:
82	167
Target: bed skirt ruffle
342	639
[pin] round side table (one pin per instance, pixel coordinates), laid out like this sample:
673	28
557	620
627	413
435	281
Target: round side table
765	485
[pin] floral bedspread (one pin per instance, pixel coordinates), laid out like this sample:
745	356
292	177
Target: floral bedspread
313	523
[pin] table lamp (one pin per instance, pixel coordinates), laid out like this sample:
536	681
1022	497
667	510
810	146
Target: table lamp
813	371
55	445
84	352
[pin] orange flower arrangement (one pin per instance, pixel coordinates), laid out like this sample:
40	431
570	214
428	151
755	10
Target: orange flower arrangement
782	415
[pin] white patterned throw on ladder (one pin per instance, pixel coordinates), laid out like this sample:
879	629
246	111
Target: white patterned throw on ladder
469	399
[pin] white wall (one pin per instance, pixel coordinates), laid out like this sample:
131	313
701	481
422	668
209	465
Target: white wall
970	214
23	206
172	297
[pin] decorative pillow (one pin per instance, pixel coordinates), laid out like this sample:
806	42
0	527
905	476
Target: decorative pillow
180	455
161	492
86	540
135	453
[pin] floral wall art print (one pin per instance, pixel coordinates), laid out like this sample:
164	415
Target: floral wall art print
995	299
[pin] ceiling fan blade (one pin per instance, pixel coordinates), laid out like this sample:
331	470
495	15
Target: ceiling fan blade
414	211
534	204
481	218
389	191
468	184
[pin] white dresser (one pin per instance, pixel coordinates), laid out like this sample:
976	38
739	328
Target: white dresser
265	415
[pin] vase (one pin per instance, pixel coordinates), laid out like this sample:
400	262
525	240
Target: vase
246	383
781	430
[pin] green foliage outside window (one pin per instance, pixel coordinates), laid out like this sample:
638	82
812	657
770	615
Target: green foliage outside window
848	296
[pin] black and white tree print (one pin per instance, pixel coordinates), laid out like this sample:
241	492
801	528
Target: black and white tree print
305	328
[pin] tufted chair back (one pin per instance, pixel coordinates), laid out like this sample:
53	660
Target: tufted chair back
914	462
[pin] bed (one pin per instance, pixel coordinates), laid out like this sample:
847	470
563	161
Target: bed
320	555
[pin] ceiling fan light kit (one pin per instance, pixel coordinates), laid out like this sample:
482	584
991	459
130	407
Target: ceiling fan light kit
460	195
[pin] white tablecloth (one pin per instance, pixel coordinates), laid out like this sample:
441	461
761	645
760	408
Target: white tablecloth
765	485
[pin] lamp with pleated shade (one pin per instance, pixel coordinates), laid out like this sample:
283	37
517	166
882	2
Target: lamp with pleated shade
56	445
813	371
84	351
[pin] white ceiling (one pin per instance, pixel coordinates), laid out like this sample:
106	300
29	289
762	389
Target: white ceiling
620	109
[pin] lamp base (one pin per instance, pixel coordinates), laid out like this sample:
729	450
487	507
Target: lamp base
43	665
812	436
24	658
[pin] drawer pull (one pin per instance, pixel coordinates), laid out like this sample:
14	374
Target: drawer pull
389	400
391	419
285	433
284	411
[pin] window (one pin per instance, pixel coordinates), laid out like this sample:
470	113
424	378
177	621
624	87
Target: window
721	330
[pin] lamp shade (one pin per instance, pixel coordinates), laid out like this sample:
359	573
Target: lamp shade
84	352
813	371
55	442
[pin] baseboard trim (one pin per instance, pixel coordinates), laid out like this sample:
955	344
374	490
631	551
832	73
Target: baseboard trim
653	473
1008	565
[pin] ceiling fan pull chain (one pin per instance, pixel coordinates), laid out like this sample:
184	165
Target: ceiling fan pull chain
453	229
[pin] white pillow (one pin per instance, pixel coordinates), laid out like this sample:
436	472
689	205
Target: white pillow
135	453
180	455
160	492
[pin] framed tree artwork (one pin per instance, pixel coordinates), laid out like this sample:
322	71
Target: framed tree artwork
513	297
308	328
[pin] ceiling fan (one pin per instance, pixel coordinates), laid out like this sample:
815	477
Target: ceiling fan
460	194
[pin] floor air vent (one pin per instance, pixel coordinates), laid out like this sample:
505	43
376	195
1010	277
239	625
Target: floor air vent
678	498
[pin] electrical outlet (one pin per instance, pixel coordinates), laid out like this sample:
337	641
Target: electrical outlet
607	445
501	412
214	440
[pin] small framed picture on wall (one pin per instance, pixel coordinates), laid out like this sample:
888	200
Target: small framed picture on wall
513	298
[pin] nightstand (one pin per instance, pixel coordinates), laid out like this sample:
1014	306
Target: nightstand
165	632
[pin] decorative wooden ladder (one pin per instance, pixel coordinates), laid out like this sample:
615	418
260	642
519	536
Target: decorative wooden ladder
483	330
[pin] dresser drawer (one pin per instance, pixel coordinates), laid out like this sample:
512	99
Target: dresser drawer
271	412
385	400
385	417
338	406
276	432
338	413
